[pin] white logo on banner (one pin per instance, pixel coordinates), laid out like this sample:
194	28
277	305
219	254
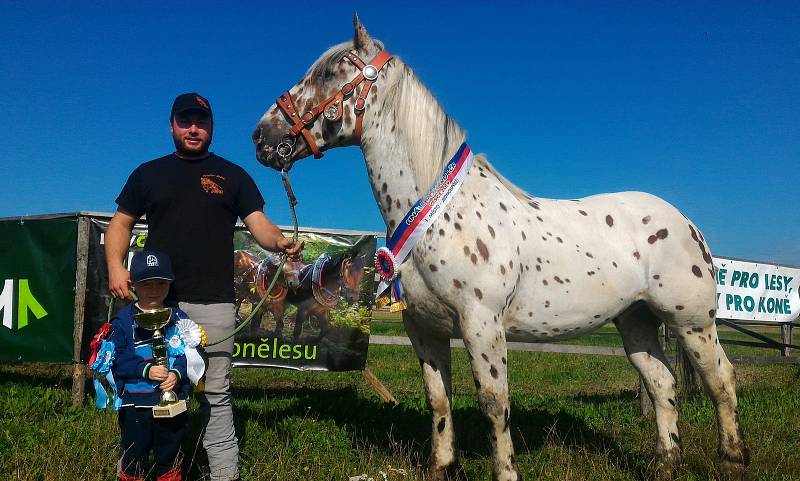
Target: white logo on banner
752	291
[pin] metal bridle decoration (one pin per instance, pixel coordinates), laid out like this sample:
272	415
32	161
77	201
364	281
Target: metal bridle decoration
331	108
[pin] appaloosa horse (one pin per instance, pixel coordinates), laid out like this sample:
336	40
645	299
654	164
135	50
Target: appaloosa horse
499	260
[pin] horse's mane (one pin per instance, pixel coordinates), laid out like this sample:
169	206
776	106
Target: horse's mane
429	134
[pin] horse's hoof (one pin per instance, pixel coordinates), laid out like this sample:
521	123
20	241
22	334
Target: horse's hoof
452	472
664	472
733	471
665	468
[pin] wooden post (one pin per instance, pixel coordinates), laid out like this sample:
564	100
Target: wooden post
378	386
82	259
786	338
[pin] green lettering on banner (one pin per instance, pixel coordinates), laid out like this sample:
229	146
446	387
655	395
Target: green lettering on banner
296	350
284	351
27	301
721	276
263	349
236	349
140	240
749	303
313	354
252	349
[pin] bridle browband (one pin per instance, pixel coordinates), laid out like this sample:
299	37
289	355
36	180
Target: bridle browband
332	108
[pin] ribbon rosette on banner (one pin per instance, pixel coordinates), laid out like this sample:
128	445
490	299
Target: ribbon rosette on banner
192	336
100	363
421	215
101	369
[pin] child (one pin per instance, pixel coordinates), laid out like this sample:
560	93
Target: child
144	380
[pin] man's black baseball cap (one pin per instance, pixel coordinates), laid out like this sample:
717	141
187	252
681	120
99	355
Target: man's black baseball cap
190	101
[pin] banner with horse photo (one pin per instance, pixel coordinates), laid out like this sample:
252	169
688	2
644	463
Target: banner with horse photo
316	315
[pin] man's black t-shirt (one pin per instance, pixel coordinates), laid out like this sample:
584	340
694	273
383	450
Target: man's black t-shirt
191	208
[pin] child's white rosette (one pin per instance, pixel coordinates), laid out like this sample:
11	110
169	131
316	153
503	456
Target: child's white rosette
192	336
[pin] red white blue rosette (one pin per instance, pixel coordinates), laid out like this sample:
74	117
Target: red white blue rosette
386	264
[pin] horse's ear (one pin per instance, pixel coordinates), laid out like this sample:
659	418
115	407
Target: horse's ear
361	39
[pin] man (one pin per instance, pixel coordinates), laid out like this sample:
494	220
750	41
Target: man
191	199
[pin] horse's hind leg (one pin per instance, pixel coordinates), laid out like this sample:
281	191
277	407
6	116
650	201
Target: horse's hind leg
638	327
434	359
709	360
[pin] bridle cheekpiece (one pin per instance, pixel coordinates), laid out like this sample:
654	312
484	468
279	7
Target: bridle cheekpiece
331	108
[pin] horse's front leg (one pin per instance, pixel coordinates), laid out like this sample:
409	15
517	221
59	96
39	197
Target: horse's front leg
278	309
299	319
434	359
485	340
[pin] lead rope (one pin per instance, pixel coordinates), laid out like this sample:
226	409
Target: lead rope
292	203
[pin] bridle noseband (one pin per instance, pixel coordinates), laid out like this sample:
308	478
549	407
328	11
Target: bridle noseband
331	108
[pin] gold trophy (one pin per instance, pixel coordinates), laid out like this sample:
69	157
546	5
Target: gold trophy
153	320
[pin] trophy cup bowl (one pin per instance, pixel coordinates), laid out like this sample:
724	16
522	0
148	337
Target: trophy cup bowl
153	320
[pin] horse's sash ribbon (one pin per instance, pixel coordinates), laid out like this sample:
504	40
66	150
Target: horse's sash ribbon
421	216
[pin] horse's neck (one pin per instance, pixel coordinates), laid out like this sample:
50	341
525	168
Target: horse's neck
393	182
405	145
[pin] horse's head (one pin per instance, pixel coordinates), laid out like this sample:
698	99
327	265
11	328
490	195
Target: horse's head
244	271
243	262
326	108
352	271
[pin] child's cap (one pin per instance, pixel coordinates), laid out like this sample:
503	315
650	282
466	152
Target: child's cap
147	265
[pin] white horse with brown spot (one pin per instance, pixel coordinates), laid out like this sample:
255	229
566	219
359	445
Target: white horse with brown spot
500	261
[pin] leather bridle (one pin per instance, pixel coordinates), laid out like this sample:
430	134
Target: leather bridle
331	108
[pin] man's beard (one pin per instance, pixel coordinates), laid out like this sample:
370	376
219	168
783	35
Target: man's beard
183	152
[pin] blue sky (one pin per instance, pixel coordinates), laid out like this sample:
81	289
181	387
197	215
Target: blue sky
696	102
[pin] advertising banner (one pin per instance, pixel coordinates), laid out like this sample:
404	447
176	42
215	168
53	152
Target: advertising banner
315	317
754	291
37	289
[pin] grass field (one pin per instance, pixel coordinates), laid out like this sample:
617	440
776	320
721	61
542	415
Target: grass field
574	417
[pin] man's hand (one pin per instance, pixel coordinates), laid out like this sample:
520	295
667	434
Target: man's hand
158	373
118	236
119	282
270	237
170	383
292	249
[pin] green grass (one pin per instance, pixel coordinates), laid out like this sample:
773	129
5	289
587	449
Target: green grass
574	417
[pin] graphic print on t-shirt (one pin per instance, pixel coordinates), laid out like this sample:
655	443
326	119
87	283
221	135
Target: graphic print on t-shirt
211	184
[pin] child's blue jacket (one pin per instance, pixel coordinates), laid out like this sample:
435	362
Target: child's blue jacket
133	358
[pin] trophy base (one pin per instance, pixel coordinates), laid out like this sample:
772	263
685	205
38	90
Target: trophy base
169	410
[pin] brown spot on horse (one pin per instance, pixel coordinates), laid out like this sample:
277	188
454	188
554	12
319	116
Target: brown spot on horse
482	249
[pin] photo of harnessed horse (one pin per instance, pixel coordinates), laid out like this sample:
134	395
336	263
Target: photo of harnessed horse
313	289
